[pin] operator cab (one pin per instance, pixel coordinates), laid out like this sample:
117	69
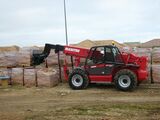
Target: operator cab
101	62
104	54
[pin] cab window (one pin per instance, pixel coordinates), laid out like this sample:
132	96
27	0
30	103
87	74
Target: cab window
117	55
109	55
96	56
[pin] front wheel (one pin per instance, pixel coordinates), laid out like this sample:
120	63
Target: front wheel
125	80
78	79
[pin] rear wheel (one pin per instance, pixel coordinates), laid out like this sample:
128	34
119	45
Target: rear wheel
78	79
125	80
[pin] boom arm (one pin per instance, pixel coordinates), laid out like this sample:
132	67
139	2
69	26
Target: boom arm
76	52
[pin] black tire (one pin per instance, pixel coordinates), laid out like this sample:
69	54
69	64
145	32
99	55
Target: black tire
78	79
125	80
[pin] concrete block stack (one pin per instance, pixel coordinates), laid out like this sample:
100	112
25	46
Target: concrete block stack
52	59
8	59
145	52
17	76
153	56
156	73
47	77
30	77
17	65
156	65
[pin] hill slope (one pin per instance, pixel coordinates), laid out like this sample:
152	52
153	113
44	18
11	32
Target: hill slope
151	43
89	43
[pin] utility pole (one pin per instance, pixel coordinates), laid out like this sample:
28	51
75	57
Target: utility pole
65	19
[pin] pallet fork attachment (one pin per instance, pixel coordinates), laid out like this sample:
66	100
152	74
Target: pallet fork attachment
38	58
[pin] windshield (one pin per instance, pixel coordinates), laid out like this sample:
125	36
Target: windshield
117	55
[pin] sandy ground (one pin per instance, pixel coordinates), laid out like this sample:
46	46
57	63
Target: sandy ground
98	102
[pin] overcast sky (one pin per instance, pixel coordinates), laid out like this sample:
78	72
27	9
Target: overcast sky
36	22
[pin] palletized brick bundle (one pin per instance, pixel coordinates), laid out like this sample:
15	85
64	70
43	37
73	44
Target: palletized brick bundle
17	75
156	73
156	55
30	77
47	77
149	74
24	57
143	52
20	75
52	59
8	59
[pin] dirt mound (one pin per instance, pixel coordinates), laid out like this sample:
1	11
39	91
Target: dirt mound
132	44
9	48
86	44
89	43
109	42
151	43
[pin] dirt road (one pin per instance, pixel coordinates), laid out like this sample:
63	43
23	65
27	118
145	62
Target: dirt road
98	102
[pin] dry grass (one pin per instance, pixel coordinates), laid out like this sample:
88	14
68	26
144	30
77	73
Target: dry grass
98	102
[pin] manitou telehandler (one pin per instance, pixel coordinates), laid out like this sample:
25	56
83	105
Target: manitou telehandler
103	64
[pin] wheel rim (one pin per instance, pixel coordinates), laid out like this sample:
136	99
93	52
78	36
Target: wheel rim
124	81
77	80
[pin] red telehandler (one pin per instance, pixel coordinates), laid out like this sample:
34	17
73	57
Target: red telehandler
103	64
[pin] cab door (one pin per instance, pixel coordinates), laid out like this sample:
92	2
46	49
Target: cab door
99	71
